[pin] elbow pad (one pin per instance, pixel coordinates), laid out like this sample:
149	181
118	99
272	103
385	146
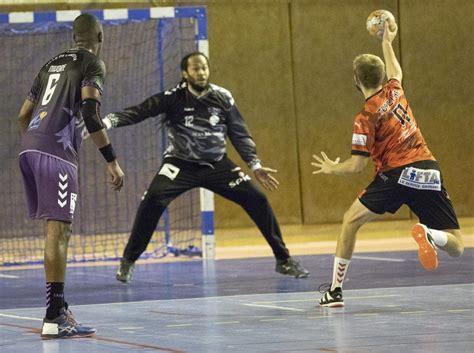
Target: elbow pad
90	111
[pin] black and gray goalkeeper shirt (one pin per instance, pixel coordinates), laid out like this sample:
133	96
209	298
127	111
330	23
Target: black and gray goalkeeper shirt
197	126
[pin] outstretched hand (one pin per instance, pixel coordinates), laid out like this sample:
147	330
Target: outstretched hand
390	30
266	179
325	164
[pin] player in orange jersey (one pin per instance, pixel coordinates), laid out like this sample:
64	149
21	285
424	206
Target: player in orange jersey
406	171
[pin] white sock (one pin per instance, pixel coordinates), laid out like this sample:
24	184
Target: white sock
339	271
439	237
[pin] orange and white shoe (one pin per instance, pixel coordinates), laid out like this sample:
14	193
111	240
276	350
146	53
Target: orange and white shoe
427	249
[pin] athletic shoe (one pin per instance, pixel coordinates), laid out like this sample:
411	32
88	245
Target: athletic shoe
125	271
427	248
65	326
331	298
291	267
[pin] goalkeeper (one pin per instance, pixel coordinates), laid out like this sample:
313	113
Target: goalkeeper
199	116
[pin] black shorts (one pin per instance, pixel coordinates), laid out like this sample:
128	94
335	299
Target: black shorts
419	186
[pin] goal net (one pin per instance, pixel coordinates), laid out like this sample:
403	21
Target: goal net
142	57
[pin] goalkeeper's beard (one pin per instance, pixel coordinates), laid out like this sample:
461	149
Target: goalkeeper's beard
198	88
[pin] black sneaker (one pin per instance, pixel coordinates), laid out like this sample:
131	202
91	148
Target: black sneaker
291	267
65	326
331	298
125	271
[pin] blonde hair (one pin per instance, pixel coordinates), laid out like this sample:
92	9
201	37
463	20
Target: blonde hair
369	70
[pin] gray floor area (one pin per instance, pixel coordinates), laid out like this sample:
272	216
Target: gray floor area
243	306
405	319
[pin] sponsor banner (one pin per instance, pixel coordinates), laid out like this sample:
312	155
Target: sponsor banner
359	139
421	179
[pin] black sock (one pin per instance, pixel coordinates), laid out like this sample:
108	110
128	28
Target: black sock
54	299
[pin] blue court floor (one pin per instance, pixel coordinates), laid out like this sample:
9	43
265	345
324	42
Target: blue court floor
392	305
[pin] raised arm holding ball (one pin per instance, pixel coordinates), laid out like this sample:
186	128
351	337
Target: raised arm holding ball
406	170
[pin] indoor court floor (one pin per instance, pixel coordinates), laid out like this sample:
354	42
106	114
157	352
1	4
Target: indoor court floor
242	305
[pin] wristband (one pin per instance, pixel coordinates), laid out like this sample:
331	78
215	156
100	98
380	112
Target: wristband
256	166
108	153
110	120
107	123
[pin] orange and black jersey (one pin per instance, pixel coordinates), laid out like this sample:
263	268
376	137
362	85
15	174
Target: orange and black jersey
386	130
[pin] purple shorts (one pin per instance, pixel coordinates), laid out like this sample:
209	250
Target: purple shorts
51	186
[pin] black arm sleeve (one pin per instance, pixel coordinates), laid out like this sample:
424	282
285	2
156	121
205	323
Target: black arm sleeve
240	136
151	107
90	111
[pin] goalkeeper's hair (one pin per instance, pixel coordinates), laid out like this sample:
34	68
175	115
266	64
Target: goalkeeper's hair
369	70
184	60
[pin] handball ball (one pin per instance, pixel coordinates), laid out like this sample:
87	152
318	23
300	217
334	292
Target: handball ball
376	21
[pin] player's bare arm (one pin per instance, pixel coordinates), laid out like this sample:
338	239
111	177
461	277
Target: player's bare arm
392	65
24	117
325	165
90	111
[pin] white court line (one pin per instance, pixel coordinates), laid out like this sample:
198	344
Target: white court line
374	258
8	276
274	307
265	304
316	299
413	312
226	322
318	317
239	296
288	301
21	317
374	296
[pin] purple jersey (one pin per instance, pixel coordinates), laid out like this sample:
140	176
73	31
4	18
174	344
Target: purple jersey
56	125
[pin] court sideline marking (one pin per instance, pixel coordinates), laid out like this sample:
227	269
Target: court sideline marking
374	258
267	304
235	296
20	317
8	276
